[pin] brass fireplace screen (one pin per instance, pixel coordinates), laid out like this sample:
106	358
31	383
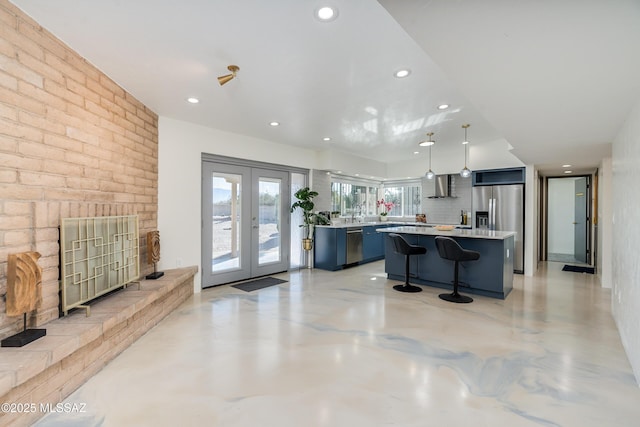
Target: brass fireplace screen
98	255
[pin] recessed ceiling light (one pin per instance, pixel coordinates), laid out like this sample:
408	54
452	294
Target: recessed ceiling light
566	166
274	124
326	13
193	100
416	152
326	138
357	174
402	73
568	171
443	106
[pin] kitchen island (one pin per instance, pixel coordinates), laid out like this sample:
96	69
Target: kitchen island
491	275
346	244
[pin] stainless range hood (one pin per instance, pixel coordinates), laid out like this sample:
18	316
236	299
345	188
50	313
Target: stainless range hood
443	187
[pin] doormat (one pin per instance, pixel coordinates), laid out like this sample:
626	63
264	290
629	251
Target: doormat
254	285
578	269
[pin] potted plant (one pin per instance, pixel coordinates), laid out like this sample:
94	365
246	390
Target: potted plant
305	202
386	207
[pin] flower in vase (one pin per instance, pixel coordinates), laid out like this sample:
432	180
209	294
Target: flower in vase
386	206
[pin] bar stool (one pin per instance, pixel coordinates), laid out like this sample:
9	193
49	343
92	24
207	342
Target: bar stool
449	249
403	248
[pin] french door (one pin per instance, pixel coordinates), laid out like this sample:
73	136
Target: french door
245	213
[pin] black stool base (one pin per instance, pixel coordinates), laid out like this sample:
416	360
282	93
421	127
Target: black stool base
407	288
461	299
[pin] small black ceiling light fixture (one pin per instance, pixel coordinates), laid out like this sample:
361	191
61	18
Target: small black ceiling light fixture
227	77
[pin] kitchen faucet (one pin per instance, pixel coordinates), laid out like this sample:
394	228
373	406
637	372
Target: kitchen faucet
358	209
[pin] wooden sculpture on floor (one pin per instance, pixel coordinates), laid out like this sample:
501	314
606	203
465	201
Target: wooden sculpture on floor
153	253
24	281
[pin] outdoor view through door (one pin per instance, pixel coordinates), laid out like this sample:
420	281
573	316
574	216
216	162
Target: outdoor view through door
245	222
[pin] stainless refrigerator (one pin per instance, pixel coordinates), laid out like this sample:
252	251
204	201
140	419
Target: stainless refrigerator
501	208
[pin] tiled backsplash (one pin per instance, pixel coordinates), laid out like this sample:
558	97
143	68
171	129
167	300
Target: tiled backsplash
447	210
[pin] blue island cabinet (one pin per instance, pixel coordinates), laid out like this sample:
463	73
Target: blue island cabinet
330	248
491	275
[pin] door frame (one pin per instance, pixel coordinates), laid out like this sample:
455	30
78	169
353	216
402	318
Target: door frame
581	211
544	234
238	162
256	268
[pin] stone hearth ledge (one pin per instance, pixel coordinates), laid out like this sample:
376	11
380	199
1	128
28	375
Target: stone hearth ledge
76	346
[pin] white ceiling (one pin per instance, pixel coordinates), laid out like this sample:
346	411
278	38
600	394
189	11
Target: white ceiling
554	79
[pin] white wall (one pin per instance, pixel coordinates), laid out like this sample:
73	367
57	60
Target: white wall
605	226
626	235
181	145
321	182
531	209
561	215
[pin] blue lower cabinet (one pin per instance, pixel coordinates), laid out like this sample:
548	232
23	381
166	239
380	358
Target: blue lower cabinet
372	243
330	248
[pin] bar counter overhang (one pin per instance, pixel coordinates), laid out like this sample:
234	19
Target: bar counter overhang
491	275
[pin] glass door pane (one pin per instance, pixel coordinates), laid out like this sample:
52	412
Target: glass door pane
298	181
269	220
226	219
226	230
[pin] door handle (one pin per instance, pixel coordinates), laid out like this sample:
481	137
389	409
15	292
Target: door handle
574	223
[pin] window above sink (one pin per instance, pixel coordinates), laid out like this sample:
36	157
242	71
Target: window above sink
358	198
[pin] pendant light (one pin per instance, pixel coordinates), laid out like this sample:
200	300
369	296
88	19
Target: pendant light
429	143
465	172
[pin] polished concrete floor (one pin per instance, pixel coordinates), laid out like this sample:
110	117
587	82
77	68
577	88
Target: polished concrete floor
565	258
345	349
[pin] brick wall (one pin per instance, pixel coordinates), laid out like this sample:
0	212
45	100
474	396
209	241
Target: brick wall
72	144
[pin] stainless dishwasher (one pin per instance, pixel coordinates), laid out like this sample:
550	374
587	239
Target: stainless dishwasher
354	244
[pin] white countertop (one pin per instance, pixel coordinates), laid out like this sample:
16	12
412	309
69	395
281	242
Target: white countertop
394	223
473	234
